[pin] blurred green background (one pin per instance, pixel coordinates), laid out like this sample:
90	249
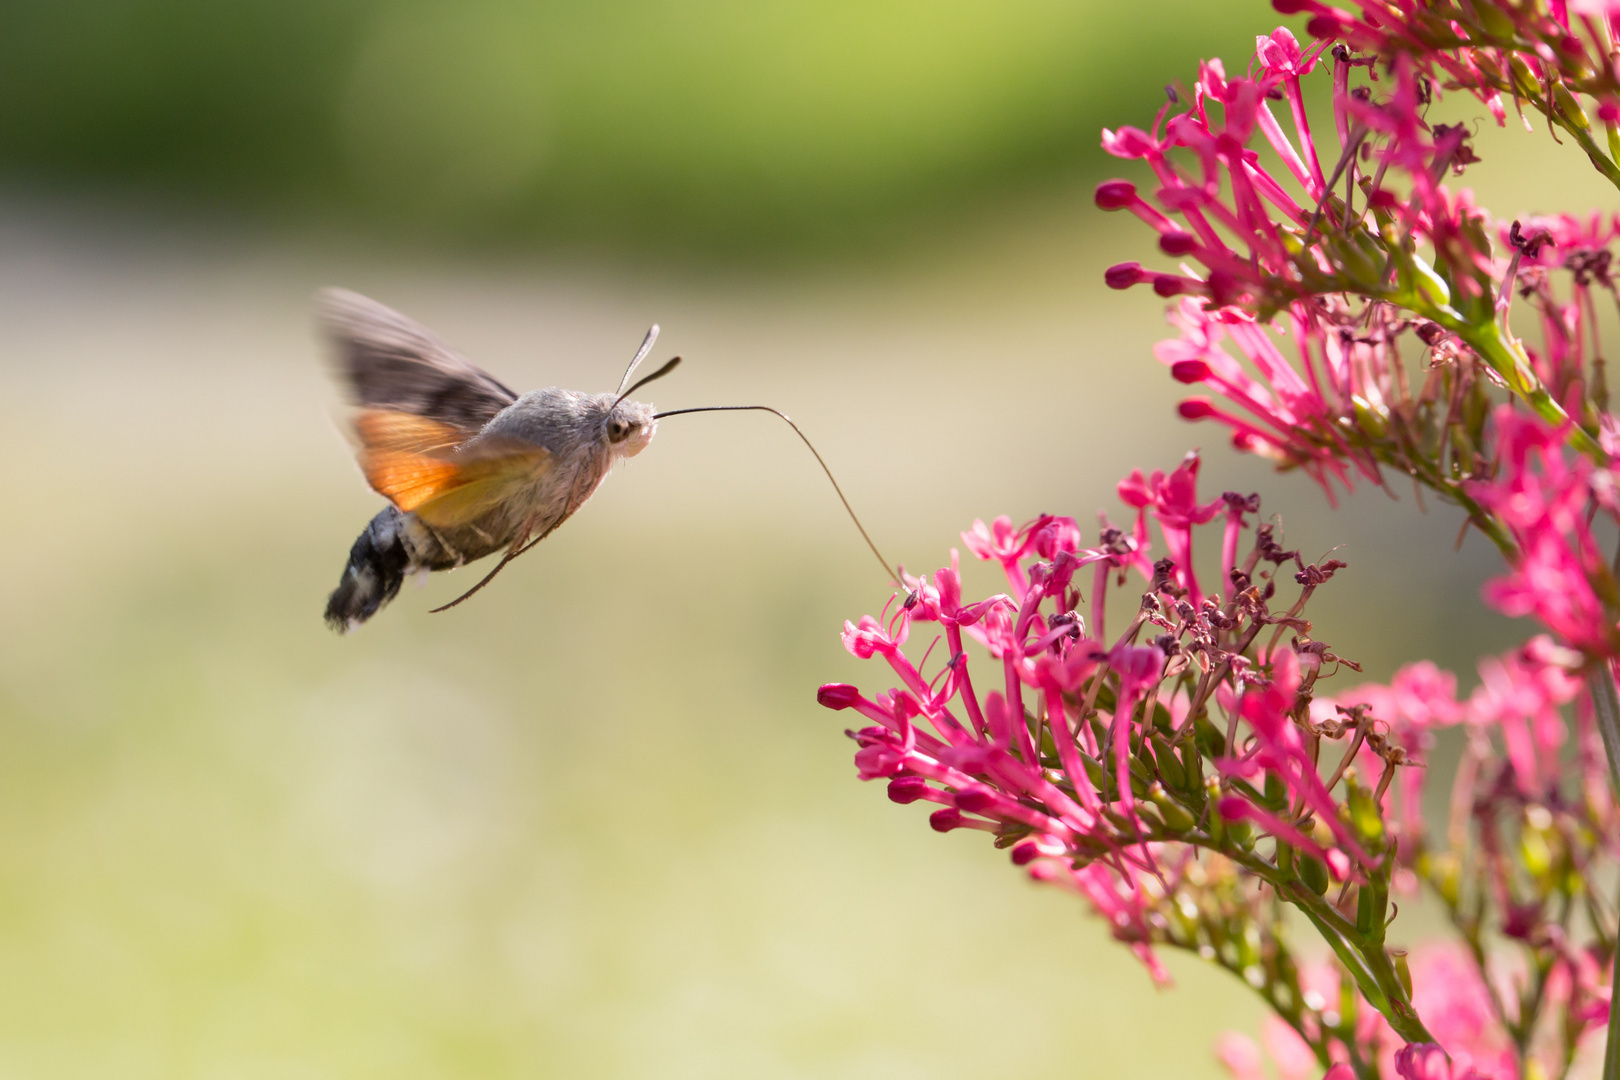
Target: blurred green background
707	128
591	824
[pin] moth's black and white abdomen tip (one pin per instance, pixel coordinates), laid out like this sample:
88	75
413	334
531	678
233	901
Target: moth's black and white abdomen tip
378	563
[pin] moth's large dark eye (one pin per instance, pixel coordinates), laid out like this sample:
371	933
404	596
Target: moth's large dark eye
619	430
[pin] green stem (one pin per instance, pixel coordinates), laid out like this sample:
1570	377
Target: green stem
1363	955
1509	361
1478	516
1600	159
1606	711
1353	963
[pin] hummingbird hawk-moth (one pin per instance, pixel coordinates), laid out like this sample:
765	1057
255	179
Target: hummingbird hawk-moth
468	466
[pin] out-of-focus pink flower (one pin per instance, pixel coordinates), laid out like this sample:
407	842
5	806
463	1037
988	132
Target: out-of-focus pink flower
1289	1053
1240	1056
1522	699
1426	1061
1448	993
1546	497
1456	1007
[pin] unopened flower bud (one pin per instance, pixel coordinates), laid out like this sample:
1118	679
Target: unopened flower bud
945	819
1192	763
1189	371
1348	254
1168	285
1429	284
1124	275
1115	194
1496	22
1174	814
974	799
1403	970
837	695
1568	108
1196	408
1365	817
1523	78
1368	419
907	789
1313	872
1170	766
1178	243
1031	848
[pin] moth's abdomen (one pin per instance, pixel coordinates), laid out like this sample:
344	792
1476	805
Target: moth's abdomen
378	564
397	545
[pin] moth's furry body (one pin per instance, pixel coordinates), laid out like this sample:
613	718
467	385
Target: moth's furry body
572	429
470	468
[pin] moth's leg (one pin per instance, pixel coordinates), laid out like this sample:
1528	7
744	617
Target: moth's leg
453	555
518	547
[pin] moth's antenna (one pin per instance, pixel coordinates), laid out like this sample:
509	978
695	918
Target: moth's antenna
641	354
659	374
893	573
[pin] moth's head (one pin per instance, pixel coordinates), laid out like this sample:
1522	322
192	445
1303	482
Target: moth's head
628	428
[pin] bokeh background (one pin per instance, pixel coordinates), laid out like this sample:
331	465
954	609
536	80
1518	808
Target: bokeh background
591	824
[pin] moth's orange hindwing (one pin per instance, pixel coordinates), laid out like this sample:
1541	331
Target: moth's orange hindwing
419	465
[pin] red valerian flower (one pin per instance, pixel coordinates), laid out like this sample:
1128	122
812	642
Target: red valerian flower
1086	757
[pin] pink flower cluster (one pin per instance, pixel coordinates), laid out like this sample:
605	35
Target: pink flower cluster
1568	358
1519	787
1520	698
1346	312
1306	412
1298	306
1085	756
1267	239
1540	54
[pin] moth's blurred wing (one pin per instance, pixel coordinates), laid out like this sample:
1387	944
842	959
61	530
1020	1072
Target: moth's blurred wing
387	361
482	485
418	465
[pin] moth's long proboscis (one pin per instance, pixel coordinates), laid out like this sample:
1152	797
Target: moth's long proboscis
893	572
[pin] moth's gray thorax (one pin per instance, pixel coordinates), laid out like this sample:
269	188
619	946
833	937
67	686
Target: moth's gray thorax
564	422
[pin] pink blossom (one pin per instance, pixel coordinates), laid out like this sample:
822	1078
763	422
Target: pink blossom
1426	1061
1240	1056
1456	1007
1521	698
1505	50
1173	500
1545	496
1296	305
1291	411
1244	224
